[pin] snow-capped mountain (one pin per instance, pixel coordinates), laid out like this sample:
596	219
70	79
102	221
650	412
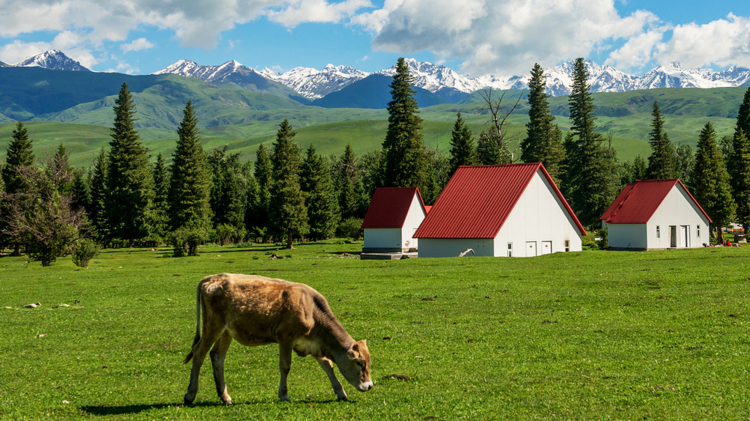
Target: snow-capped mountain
4	64
54	60
312	83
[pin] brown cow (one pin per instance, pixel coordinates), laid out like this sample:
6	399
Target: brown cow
255	310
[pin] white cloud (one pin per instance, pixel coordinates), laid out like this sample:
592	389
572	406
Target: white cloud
69	42
302	11
139	44
721	42
503	37
638	51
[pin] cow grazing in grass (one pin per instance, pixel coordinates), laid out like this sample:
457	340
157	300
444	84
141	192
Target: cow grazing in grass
255	310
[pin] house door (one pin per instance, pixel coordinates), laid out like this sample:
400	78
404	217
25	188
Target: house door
685	233
546	247
531	248
672	236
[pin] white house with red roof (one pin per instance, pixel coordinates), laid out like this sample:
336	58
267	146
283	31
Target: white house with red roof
513	210
656	214
391	220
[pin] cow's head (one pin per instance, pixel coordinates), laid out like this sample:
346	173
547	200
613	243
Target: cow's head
356	366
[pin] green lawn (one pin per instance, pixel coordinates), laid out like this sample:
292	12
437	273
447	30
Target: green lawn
589	335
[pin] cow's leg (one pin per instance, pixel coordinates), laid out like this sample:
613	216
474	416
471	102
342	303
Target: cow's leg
327	366
285	363
200	349
218	355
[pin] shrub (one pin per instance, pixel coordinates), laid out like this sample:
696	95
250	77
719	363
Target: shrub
83	251
185	241
604	242
350	228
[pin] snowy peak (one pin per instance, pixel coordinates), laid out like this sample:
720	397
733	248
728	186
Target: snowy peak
189	68
313	84
53	60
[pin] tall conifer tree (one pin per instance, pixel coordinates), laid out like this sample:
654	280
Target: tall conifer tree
743	114
160	210
406	161
462	145
19	154
287	208
259	194
322	206
227	192
590	180
661	165
129	180
98	186
349	186
712	190
190	183
543	142
738	165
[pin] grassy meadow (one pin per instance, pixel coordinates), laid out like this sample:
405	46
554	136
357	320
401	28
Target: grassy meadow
587	335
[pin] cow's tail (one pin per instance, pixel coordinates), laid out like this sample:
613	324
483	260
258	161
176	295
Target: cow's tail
197	323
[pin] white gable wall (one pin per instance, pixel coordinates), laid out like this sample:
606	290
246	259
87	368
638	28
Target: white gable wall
679	211
538	217
414	218
382	238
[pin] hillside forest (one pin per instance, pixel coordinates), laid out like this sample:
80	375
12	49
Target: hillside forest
289	192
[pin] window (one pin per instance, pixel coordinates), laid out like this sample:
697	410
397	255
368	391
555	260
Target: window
510	249
698	230
658	232
567	245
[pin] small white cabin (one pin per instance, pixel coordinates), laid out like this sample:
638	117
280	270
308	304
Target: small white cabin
511	210
656	214
391	220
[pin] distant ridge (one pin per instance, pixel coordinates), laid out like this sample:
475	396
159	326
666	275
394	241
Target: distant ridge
372	92
53	60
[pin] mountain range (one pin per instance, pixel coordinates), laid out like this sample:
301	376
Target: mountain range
308	86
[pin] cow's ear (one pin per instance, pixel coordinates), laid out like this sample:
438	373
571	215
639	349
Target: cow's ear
355	347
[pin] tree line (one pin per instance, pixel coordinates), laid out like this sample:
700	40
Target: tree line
289	194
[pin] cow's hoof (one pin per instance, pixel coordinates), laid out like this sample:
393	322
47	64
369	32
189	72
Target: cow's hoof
284	399
343	399
188	401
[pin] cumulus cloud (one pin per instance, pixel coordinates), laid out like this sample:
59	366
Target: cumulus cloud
721	42
503	37
69	42
302	11
139	44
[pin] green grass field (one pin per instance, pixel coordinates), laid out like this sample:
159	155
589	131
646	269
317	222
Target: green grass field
588	335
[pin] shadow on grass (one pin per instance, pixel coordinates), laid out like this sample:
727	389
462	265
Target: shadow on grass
135	409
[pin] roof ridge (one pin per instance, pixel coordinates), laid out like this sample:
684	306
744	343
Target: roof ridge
624	199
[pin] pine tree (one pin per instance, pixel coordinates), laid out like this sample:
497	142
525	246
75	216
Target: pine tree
98	187
489	151
62	155
160	211
462	145
543	142
287	207
19	155
406	161
227	192
190	184
661	163
129	180
738	165
349	186
743	115
259	194
590	179
80	191
322	206
711	181
684	163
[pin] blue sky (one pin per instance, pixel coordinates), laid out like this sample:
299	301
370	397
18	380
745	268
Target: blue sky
500	37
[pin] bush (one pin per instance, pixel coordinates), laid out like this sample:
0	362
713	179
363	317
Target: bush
350	228
83	251
185	241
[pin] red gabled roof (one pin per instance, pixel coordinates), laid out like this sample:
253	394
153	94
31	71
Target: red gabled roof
389	207
638	201
478	199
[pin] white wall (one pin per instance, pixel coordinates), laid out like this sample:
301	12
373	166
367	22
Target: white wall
447	247
627	236
538	216
382	238
677	209
414	218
